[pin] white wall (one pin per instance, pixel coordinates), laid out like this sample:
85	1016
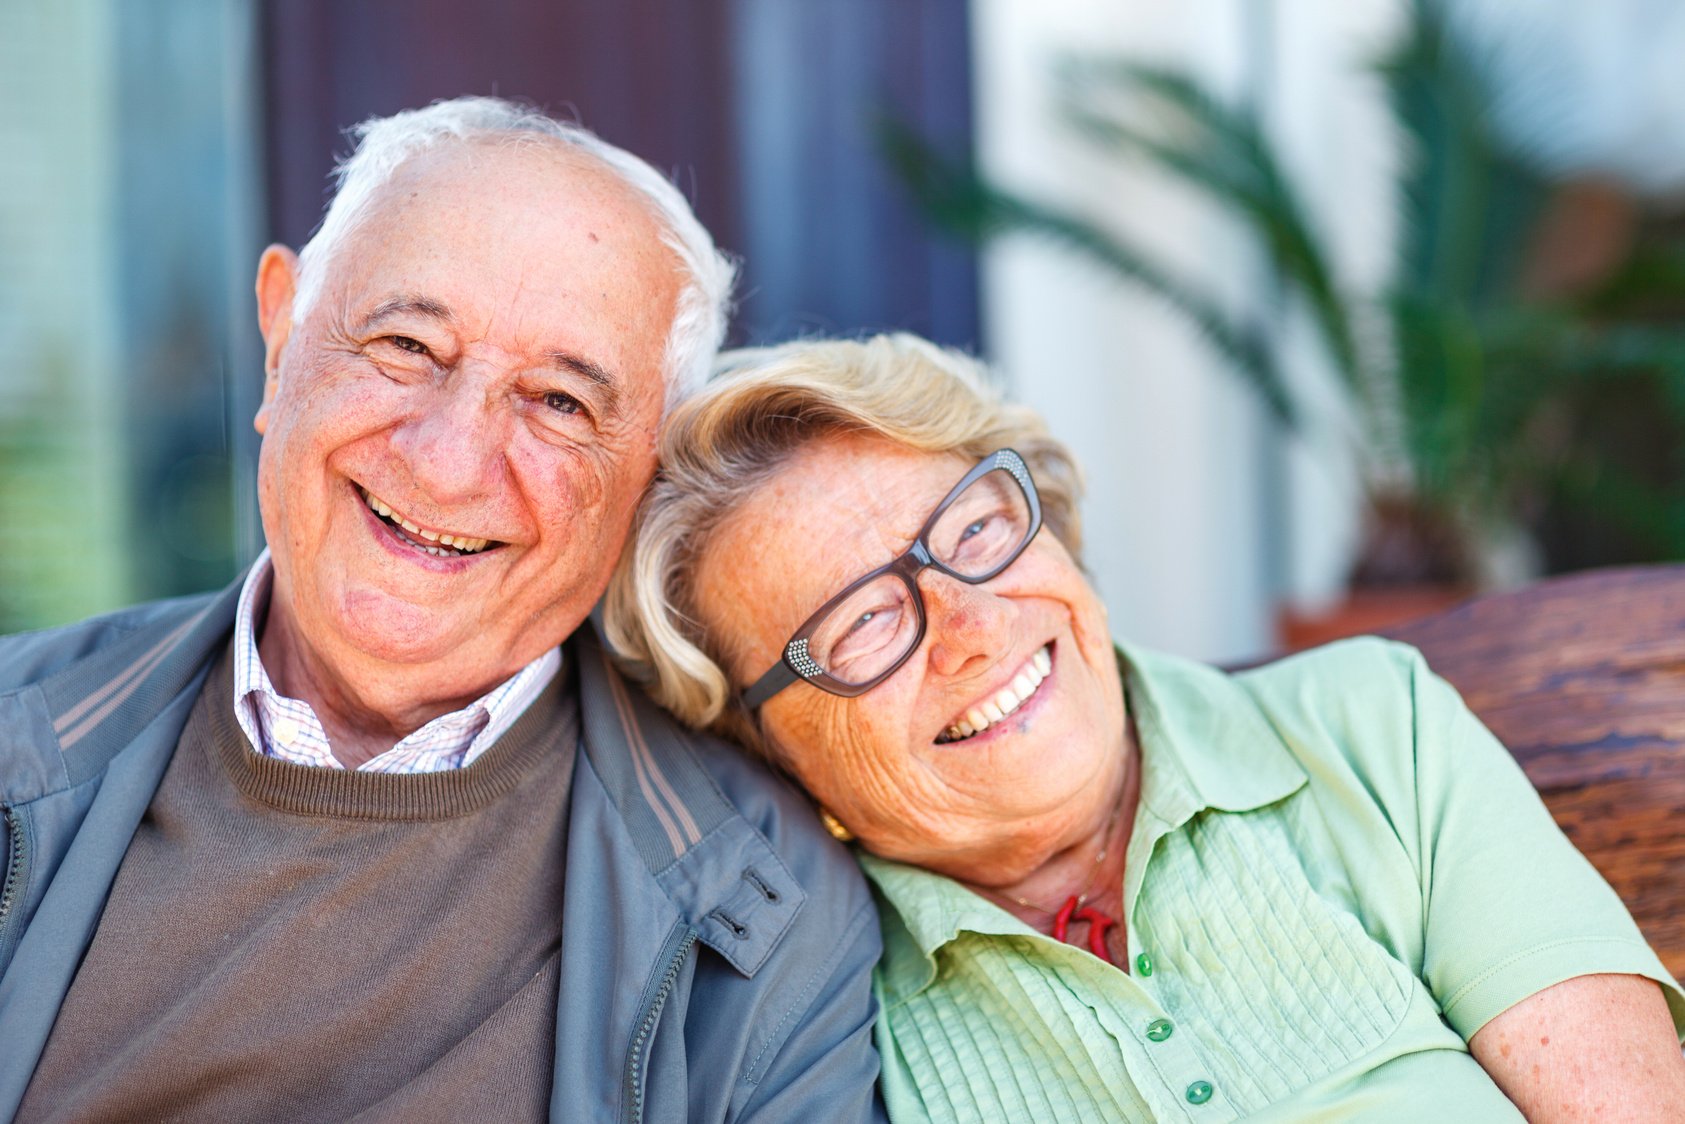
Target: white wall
1200	517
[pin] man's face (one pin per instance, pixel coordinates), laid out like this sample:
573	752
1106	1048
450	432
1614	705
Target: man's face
483	361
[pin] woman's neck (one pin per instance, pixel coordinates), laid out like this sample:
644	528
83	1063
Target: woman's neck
1088	871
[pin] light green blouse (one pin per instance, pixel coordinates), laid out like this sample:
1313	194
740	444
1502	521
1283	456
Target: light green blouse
1336	876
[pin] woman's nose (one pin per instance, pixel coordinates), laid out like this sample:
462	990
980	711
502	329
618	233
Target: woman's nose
968	624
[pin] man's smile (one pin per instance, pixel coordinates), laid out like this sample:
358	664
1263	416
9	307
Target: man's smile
430	540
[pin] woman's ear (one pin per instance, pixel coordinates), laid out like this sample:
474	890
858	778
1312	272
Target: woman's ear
277	281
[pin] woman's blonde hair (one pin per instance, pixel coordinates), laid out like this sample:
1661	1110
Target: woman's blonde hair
732	437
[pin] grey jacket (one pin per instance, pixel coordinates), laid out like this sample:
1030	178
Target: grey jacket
718	948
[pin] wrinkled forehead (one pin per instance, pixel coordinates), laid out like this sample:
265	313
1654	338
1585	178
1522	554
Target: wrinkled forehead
870	494
529	244
519	168
522	191
838	508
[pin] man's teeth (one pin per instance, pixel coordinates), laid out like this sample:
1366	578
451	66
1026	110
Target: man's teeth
458	544
1007	700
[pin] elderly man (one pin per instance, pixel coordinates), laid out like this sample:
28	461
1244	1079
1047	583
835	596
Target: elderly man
361	836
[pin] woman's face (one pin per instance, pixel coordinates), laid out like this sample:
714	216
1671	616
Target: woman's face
989	807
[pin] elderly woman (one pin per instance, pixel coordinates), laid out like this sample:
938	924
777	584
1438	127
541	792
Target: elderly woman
1116	885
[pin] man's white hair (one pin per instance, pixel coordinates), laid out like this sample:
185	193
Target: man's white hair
385	143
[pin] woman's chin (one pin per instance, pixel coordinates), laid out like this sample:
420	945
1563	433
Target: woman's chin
1038	799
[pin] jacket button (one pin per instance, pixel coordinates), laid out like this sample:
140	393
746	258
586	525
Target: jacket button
1199	1092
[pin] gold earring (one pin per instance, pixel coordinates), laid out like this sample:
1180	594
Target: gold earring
835	826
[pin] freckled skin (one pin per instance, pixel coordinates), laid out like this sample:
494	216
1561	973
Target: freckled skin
991	811
463	423
1614	1058
1013	817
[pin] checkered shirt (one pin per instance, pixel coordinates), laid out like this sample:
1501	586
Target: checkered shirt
289	729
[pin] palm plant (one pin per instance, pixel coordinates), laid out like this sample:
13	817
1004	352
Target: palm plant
1464	388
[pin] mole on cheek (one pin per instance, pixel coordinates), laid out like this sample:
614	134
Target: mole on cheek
593	236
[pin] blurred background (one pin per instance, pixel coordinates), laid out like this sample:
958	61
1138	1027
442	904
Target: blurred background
1349	307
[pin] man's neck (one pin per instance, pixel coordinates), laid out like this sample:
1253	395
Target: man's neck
365	709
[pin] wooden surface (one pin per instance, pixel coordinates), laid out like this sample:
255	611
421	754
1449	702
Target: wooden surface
1583	678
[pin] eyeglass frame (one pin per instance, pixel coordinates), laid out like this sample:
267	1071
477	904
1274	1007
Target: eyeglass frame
795	665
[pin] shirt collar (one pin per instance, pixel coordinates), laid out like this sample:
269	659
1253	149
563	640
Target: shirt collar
1204	744
1204	741
286	728
922	911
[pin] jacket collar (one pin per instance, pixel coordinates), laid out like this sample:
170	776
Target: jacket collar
722	875
724	878
1204	742
95	704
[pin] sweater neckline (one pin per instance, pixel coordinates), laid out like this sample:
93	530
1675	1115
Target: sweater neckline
549	725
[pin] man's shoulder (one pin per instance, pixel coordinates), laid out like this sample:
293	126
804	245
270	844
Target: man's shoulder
777	810
29	657
773	805
701	814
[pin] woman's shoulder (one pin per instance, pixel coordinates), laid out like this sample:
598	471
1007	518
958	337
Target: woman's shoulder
1351	715
1369	666
1365	688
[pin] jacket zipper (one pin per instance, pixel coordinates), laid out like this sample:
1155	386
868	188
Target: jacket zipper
17	861
646	1027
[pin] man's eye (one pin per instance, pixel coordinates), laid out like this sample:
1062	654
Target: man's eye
563	403
405	343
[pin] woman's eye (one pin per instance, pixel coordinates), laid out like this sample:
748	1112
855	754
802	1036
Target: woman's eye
980	535
867	632
864	620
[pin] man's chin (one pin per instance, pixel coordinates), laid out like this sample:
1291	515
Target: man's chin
374	627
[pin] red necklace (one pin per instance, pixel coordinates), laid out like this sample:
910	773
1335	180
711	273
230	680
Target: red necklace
1077	909
1098	923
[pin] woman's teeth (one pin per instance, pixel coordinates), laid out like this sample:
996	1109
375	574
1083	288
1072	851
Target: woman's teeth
1008	699
440	545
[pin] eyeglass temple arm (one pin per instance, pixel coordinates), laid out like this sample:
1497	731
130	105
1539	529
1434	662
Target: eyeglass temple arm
778	677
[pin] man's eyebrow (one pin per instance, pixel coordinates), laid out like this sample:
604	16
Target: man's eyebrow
407	303
595	372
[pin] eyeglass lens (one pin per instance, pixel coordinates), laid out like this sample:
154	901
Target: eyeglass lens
878	623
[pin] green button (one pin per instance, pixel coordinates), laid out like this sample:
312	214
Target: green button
1160	1029
1199	1092
1144	964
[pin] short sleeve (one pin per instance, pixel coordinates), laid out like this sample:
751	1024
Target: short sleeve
1510	907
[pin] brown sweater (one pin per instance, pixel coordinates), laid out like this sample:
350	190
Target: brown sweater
294	943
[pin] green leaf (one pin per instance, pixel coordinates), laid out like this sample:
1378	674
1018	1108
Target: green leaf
1166	118
954	196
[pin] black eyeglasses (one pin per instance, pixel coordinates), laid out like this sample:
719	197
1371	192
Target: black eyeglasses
861	636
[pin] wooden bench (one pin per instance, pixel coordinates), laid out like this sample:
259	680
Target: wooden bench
1583	678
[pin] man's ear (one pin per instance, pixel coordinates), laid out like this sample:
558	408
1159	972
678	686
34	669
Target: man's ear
277	280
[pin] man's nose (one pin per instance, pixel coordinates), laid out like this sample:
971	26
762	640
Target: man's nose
970	626
454	447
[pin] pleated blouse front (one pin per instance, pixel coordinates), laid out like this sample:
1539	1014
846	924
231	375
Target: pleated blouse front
1317	920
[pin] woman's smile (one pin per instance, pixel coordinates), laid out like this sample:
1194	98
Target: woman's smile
992	710
1007	712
